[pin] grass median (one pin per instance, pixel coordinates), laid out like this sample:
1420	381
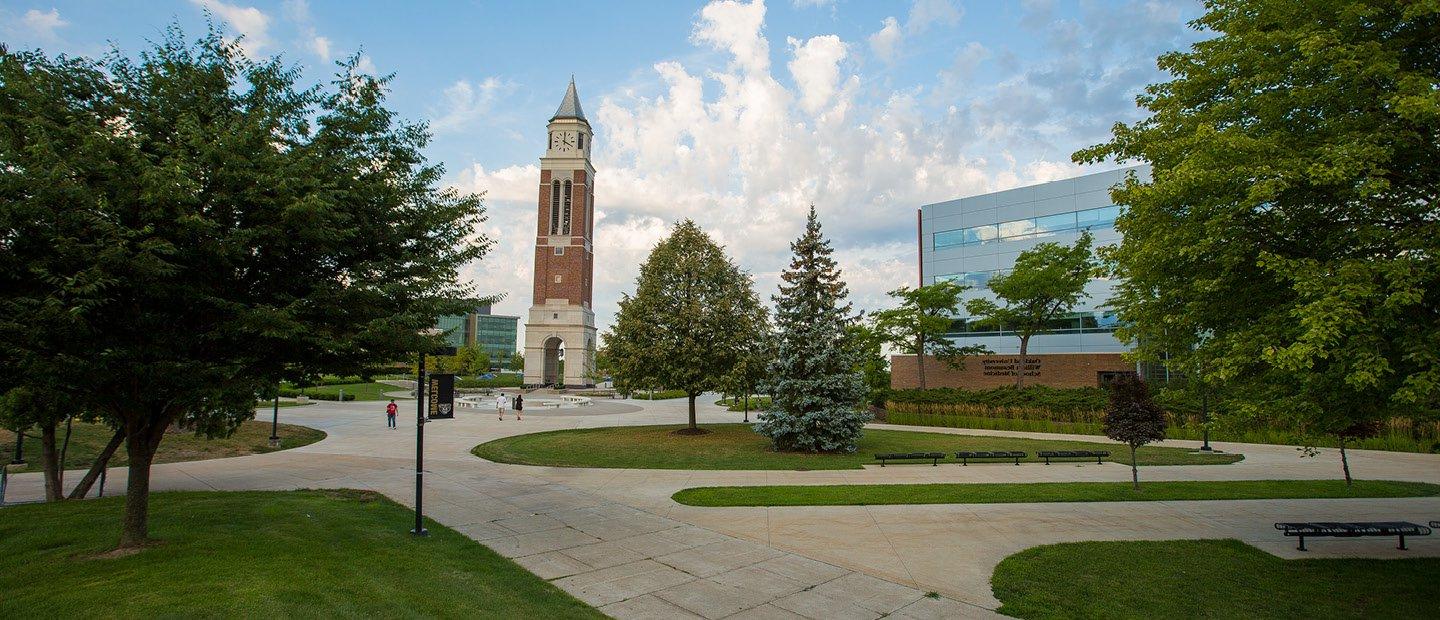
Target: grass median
1042	492
308	554
87	440
737	446
1207	579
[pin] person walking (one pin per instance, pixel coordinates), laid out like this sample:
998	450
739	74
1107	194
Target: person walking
391	410
500	404
519	406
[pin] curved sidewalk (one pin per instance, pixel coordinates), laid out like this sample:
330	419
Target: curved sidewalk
615	539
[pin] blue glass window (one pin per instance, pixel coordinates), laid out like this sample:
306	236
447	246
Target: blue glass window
1051	224
1018	229
965	236
1103	217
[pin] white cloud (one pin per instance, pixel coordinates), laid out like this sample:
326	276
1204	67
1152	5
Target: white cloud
464	103
366	65
736	27
926	13
801	4
252	23
719	139
816	69
320	45
42	25
886	40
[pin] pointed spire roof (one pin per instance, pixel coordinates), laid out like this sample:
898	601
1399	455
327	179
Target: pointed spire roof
570	106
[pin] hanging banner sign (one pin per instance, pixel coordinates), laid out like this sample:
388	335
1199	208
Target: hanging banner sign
441	394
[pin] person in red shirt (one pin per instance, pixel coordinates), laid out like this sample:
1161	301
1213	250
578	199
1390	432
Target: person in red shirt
390	411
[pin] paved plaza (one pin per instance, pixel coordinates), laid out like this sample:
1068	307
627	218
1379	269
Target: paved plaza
614	539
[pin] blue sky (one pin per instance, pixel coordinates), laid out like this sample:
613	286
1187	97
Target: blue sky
736	114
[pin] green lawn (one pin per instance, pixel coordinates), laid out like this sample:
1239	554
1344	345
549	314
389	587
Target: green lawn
1208	579
1010	493
736	446
310	554
86	441
361	391
757	403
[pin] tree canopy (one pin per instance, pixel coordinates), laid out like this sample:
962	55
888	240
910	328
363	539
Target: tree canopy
918	325
691	320
1286	242
1045	283
186	228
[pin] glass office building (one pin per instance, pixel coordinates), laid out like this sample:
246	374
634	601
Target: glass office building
971	240
496	333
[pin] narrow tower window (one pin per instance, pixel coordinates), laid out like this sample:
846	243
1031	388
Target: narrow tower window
582	142
565	217
554	207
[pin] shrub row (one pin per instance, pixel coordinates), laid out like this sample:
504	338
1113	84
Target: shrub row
1082	411
1067	400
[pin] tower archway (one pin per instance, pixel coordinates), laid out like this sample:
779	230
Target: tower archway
554	354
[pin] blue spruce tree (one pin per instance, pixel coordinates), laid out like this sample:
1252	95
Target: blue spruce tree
814	386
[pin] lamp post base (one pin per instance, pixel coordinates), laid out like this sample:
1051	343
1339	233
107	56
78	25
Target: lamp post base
420	532
274	442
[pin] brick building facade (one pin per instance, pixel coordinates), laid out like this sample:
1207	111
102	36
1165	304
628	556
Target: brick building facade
1064	370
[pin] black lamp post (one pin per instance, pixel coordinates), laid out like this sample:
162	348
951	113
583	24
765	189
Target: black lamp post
19	448
275	421
419	446
1205	419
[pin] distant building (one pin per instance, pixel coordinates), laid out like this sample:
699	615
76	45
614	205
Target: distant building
973	239
495	333
970	240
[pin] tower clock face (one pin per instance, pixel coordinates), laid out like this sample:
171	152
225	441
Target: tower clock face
563	141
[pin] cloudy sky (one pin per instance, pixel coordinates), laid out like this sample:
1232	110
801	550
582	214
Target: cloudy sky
736	114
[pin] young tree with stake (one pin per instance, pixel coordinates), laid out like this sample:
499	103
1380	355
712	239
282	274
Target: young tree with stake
1133	418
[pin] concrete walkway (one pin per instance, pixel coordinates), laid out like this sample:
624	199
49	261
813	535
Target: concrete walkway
613	538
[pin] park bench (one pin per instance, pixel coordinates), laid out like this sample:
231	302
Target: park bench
966	456
1072	454
1400	529
933	457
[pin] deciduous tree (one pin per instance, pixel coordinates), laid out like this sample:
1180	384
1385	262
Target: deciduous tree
1285	243
187	228
690	320
918	325
1133	418
1045	283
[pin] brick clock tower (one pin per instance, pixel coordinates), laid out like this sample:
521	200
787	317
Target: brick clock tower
561	317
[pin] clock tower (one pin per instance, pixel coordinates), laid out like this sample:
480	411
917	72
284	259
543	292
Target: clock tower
561	324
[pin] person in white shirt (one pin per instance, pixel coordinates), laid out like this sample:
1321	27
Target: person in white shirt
500	404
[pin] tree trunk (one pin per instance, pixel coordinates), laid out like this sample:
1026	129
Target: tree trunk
920	359
1134	469
50	463
102	461
140	448
692	411
1344	462
1020	367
